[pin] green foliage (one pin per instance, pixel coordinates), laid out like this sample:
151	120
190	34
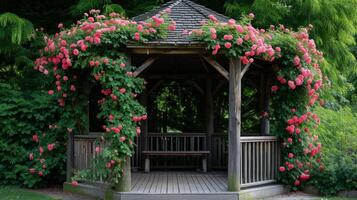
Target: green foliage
14	30
13	193
84	5
113	8
23	114
338	134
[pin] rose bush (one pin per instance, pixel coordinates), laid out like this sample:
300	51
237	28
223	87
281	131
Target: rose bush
295	91
90	52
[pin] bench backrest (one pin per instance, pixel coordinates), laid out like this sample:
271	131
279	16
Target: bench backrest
176	142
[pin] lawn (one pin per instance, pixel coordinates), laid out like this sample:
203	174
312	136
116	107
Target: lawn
13	193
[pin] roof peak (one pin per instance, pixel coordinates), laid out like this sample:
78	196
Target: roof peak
204	11
188	16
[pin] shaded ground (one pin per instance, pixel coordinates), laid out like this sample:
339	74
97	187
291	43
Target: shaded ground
56	193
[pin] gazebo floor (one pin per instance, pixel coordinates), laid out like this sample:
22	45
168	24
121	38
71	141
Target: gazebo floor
176	185
173	182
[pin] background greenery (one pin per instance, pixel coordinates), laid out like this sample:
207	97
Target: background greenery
24	107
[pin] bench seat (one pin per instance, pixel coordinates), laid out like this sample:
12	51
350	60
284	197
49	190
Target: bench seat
202	154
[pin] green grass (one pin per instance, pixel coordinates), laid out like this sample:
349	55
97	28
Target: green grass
14	193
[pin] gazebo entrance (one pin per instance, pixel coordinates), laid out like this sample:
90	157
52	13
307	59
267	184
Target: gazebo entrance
185	139
207	134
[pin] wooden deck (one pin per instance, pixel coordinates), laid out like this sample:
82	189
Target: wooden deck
178	185
179	182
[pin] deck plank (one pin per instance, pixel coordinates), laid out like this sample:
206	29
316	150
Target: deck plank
178	182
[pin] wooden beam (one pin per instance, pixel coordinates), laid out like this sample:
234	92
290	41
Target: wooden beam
181	76
144	66
234	145
209	119
196	86
204	64
172	50
245	69
217	66
70	156
220	84
157	84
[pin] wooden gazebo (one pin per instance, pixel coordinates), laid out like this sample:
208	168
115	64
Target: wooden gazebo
197	161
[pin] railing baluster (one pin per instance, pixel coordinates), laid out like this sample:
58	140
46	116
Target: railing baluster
269	161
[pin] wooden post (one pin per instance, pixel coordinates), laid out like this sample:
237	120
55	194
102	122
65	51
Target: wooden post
210	118
70	144
124	184
234	145
144	124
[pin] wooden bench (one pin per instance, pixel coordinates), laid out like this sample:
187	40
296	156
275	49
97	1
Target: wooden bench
202	154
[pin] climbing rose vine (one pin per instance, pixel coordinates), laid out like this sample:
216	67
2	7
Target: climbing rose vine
87	53
297	84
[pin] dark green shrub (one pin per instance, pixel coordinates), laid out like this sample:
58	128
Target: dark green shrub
22	114
338	135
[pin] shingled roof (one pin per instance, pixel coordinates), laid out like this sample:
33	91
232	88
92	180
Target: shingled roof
187	15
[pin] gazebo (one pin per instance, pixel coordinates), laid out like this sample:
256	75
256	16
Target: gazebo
196	158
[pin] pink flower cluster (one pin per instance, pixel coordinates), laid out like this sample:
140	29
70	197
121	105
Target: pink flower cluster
37	158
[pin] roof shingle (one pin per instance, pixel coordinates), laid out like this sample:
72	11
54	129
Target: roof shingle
187	15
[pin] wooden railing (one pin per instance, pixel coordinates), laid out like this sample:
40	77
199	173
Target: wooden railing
260	155
176	142
84	151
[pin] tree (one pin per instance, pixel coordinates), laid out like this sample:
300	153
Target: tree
14	32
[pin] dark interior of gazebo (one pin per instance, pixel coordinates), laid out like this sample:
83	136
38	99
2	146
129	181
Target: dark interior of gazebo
187	104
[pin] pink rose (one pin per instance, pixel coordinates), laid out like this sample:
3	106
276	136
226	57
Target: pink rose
239	28
50	147
282	169
32	170
122	90
298	81
35	138
72	88
228	45
290	129
75	52
274	88
290	140
228	37
74	183
231	22
140	28
31	156
296	61
137	36
290	155
91	19
239	41
292	85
